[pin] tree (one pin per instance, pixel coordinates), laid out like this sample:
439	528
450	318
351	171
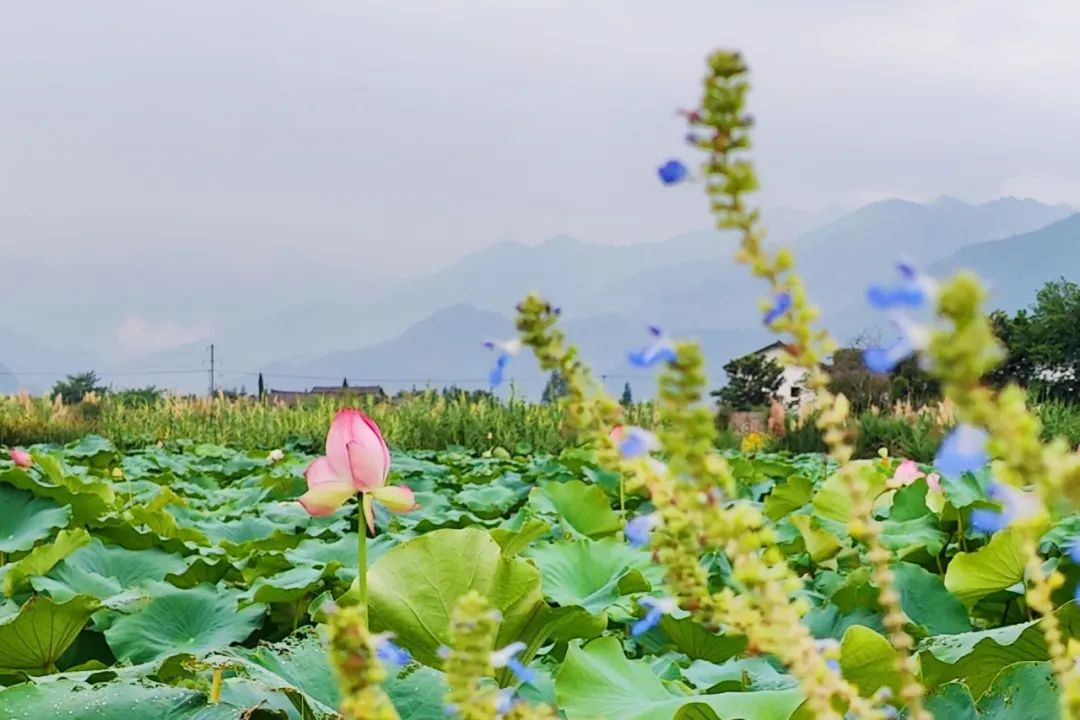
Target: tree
554	389
752	382
262	387
848	375
74	388
627	398
344	383
912	383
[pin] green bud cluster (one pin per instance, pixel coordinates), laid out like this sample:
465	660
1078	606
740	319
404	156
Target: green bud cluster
359	672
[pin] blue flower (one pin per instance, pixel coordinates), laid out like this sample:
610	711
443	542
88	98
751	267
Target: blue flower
962	450
634	442
987	521
914	292
913	337
1016	505
639	529
672	172
658	608
505	702
1074	550
387	651
781	304
661	349
507	349
507	658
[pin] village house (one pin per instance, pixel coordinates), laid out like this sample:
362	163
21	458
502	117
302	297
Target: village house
792	391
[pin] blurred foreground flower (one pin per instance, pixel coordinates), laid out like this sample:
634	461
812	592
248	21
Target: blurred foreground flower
507	349
661	349
357	461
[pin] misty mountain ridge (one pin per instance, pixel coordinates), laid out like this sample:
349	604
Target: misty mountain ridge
320	323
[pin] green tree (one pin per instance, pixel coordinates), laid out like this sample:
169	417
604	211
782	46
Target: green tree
74	388
262	387
554	389
848	375
627	398
752	381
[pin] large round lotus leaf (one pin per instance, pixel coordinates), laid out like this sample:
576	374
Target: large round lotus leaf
38	634
581	508
414	586
88	497
343	551
103	571
193	621
587	572
996	566
113	701
599	681
27	519
1024	691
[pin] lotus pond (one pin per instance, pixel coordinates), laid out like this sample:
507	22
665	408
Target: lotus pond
132	580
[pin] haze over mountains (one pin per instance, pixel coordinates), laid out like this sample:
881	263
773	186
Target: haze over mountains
133	317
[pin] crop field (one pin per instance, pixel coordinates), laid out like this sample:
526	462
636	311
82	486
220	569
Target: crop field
185	581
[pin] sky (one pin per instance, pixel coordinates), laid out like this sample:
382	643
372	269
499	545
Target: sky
395	136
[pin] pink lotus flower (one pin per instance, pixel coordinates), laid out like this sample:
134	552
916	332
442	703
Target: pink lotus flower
20	457
906	473
357	461
934	481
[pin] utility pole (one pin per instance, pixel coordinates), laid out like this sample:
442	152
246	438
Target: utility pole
211	370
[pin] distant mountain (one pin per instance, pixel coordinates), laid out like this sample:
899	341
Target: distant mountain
1016	267
446	349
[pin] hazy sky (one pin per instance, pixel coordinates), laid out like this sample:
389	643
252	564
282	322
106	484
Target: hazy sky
397	135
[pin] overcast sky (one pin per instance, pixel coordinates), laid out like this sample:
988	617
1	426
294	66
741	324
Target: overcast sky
397	135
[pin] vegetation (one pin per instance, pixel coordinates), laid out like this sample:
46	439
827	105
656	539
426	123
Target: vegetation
752	381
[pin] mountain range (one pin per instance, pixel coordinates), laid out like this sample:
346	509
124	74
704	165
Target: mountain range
303	325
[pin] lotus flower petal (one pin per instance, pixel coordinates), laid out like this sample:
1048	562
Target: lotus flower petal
395	498
906	473
325	498
322	472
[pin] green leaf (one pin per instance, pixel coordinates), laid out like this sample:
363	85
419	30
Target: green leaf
1024	691
89	498
413	588
927	603
820	544
789	497
42	559
584	508
952	701
513	543
694	641
27	519
103	571
587	572
299	666
975	657
112	701
36	636
833	499
194	621
868	660
752	673
996	566
598	681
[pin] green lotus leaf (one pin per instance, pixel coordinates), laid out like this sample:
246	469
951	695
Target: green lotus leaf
35	637
927	603
582	509
820	544
752	673
832	501
42	559
26	519
1024	691
116	701
597	680
952	701
195	621
103	571
789	497
996	566
587	572
89	498
868	660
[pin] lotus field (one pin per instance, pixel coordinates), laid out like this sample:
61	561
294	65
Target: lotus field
188	582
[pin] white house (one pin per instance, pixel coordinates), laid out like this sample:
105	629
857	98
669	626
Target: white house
792	391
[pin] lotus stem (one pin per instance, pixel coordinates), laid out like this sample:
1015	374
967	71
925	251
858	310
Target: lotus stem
361	531
215	687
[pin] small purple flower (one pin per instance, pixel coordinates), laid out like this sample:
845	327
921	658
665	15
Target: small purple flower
672	172
507	658
658	608
962	450
507	349
639	530
781	304
693	139
661	349
387	651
